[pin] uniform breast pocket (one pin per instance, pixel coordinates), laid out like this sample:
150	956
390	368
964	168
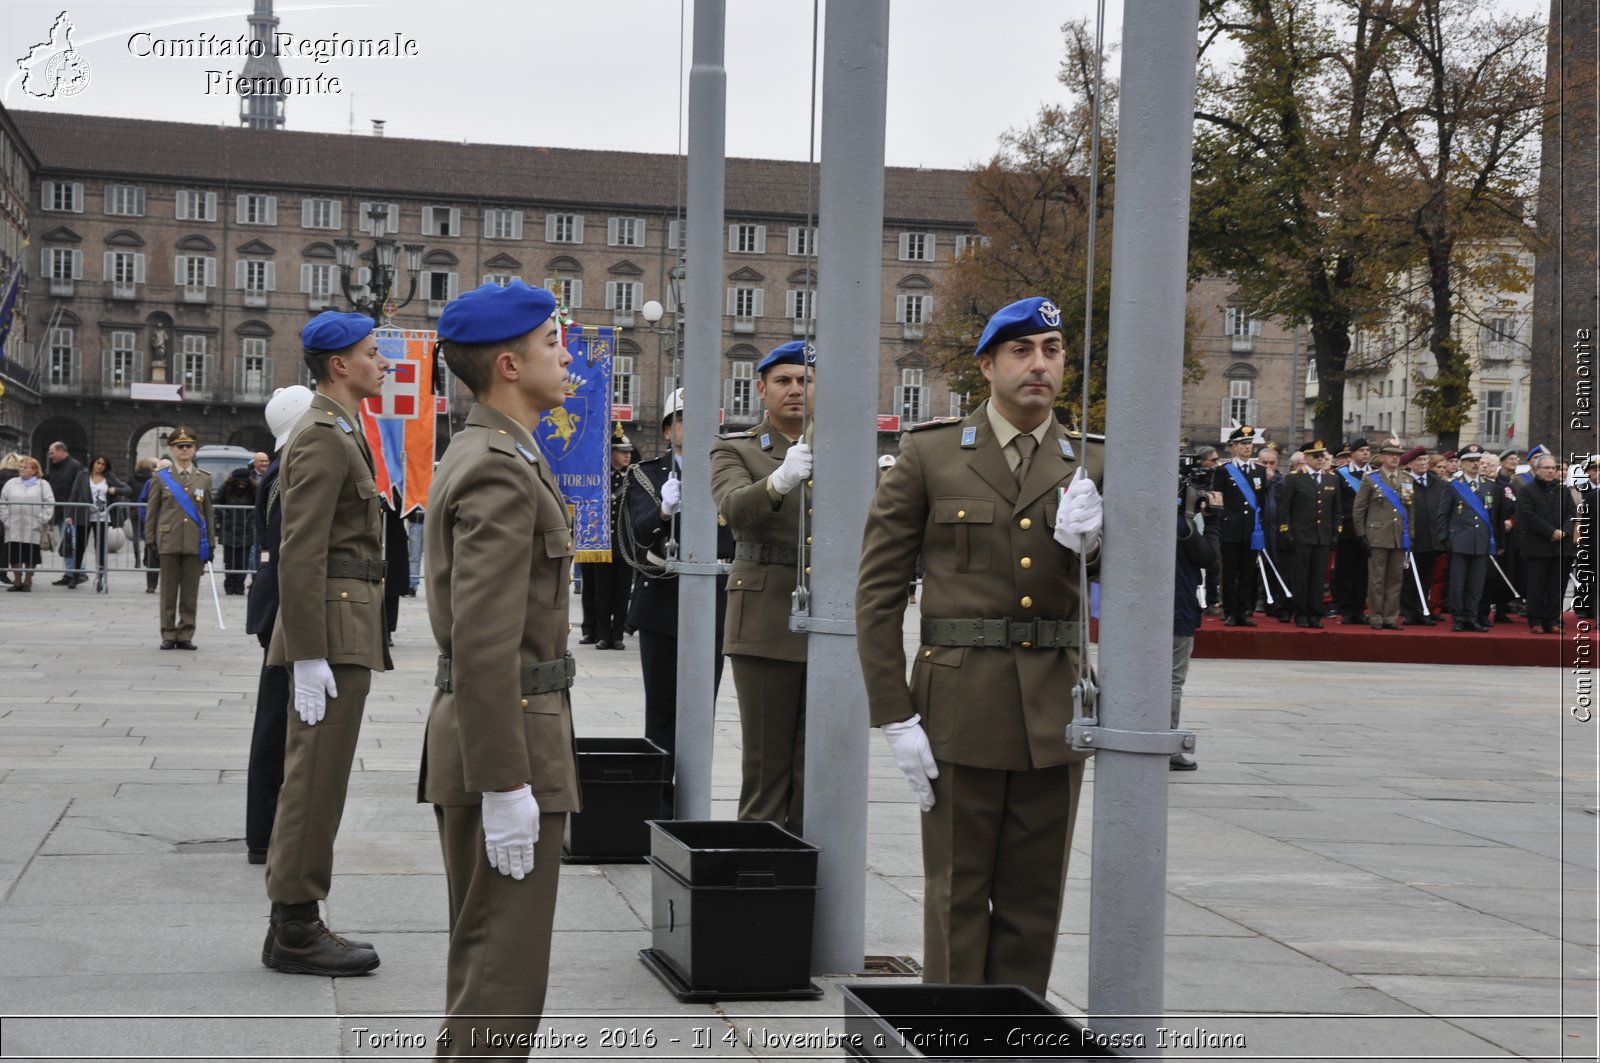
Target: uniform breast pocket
367	491
962	529
551	566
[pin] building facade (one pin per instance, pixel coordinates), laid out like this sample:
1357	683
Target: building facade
1253	370
19	403
175	253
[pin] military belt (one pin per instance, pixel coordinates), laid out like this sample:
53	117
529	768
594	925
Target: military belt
350	568
1035	634
546	677
766	553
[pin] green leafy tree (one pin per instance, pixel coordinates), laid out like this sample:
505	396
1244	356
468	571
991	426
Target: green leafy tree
1464	98
1031	204
1290	170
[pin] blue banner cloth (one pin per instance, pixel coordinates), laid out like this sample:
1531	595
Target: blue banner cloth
576	440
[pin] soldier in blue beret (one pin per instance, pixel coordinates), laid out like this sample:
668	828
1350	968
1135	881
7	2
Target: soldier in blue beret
761	483
329	633
1000	505
497	764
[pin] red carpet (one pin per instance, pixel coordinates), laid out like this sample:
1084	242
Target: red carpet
1509	643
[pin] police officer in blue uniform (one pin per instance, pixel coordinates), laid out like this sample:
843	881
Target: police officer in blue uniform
1467	531
1239	517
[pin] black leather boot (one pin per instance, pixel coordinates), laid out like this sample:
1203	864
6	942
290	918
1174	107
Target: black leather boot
298	942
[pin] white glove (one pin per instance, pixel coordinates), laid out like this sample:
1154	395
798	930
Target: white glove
1079	519
511	830
313	686
671	496
795	470
914	757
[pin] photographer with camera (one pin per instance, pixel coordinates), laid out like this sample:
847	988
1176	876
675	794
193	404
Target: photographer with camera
1199	547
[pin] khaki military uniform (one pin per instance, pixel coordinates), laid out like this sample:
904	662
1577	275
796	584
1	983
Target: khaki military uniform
330	587
1382	528
498	551
176	540
995	698
769	660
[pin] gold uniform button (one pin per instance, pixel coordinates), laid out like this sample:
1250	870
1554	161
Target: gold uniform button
808	570
524	702
344	594
927	653
961	514
1025	523
808	483
1027	602
808	540
722	522
569	629
502	431
1027	645
738	583
1026	562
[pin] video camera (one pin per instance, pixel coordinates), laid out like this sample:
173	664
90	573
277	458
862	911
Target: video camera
1194	485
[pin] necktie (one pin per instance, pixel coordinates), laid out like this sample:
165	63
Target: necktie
1319	479
1025	444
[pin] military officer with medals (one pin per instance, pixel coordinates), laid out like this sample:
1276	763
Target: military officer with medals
1237	489
1383	516
654	500
761	483
180	528
498	763
1425	487
329	632
998	507
1466	529
1308	512
1350	557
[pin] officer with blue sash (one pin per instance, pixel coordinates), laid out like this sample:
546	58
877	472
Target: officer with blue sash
1349	555
1466	529
1383	521
1241	483
179	526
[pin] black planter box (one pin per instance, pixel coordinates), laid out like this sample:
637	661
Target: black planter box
957	1023
625	784
732	906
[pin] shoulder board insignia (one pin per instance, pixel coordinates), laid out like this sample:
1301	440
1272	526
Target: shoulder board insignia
969	436
1066	449
1095	437
766	441
937	422
532	458
343	425
733	435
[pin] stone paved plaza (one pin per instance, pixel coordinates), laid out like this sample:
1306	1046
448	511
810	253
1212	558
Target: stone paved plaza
1374	862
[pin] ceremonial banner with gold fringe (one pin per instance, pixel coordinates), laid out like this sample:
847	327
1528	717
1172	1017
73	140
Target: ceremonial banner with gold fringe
576	440
399	423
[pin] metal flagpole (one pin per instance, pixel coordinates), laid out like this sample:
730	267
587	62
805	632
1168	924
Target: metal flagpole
1143	388
697	565
854	98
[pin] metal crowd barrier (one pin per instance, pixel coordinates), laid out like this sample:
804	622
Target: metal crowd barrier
121	550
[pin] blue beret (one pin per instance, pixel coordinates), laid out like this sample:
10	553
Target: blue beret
490	313
796	353
1025	317
332	330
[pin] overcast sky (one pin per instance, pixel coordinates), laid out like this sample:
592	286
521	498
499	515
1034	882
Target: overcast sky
581	73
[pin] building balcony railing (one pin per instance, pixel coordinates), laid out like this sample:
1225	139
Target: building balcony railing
622	318
744	324
122	290
199	294
436	306
799	325
318	302
1243	344
61	286
255	297
911	330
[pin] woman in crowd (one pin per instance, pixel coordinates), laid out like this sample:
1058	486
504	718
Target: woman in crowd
8	472
26	506
94	492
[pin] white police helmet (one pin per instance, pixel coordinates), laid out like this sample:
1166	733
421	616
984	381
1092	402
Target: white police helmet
674	404
284	410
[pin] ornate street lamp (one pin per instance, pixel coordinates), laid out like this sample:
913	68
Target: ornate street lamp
669	337
375	298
